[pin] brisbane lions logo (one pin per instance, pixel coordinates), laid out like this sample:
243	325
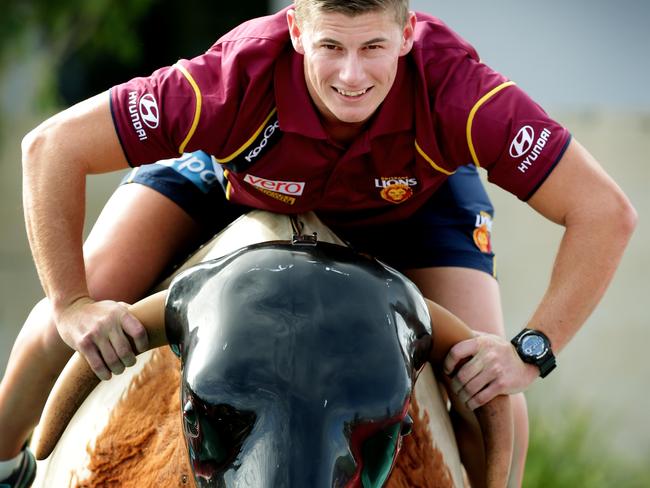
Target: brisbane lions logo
396	189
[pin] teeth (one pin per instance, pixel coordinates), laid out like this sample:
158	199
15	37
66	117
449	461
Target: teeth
352	93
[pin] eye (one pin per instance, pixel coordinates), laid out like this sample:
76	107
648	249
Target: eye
407	425
190	420
176	349
330	47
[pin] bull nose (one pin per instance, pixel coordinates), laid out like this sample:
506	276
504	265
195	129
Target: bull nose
334	473
280	460
321	460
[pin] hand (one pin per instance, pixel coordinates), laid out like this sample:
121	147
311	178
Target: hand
492	368
100	332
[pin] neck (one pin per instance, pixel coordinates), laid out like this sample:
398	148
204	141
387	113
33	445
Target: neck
343	133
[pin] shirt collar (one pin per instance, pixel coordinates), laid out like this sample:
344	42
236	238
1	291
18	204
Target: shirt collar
395	114
296	111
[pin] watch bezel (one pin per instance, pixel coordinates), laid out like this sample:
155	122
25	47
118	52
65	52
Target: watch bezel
534	334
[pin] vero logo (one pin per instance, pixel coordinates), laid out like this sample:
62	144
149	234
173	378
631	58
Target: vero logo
293	188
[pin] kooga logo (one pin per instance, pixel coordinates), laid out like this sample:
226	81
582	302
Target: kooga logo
268	132
522	142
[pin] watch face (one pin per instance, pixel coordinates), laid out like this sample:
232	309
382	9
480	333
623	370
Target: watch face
533	346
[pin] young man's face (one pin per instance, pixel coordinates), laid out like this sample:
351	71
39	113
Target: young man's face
350	62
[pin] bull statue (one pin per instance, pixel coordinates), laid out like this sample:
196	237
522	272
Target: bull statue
294	364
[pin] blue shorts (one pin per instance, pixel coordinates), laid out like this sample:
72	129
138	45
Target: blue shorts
452	229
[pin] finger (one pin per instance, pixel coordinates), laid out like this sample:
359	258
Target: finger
458	353
476	385
134	329
484	396
122	347
89	351
109	356
94	360
467	372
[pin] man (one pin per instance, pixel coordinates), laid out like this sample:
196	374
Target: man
359	110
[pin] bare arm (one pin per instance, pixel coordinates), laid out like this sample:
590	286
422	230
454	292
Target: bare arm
599	221
57	157
494	418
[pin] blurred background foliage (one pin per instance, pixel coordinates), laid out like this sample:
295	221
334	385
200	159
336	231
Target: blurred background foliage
89	46
576	453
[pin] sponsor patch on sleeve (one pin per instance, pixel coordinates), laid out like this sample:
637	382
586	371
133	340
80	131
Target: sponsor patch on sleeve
527	146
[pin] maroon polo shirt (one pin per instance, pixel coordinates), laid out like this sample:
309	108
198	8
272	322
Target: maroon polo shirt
245	102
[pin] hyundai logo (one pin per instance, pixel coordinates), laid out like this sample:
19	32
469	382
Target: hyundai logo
149	111
522	142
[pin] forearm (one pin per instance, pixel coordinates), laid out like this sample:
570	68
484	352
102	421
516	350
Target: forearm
57	157
495	420
53	200
447	330
596	234
581	275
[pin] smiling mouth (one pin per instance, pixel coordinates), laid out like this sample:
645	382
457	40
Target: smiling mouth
352	94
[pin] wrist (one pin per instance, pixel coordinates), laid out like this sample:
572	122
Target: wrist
532	372
60	305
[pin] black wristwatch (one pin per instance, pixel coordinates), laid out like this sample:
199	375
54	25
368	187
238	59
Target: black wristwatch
534	347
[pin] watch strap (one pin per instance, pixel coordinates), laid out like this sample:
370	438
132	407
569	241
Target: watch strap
546	365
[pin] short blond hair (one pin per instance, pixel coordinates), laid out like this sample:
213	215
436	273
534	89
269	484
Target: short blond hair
308	9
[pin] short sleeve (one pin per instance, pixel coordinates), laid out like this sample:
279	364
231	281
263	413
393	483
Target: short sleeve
488	120
154	115
200	103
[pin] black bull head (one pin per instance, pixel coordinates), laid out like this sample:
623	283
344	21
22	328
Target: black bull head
298	363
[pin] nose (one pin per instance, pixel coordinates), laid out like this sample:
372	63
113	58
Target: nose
320	454
351	71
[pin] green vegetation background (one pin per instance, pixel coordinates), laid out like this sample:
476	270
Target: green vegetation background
90	46
573	454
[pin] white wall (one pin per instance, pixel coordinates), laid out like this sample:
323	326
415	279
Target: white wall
566	54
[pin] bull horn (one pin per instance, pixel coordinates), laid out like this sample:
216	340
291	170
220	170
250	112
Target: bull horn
77	380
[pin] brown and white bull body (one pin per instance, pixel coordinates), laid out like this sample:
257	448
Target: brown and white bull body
98	449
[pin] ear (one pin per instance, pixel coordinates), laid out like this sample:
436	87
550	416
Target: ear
408	34
295	32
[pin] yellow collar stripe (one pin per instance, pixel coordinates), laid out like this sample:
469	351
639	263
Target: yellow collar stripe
228	185
249	141
431	162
